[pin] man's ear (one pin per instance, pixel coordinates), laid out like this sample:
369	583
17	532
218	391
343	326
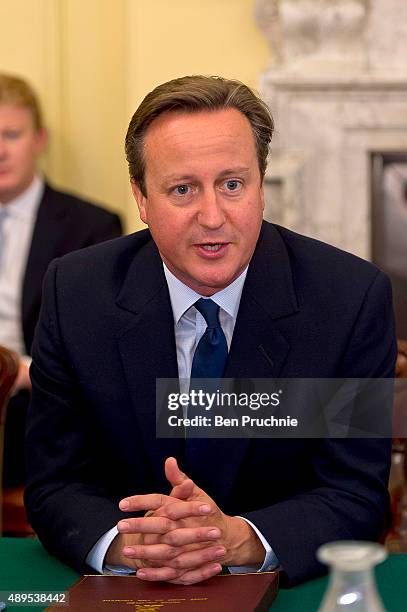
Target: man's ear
41	140
141	200
262	195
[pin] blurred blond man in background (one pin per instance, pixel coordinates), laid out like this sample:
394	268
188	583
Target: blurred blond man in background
37	224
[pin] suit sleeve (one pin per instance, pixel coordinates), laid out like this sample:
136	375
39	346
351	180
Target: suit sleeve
66	499
349	499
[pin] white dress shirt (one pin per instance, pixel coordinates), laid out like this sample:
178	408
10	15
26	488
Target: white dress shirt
17	226
189	327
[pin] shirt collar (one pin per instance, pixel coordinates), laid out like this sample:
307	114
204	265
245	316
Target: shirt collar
25	205
183	297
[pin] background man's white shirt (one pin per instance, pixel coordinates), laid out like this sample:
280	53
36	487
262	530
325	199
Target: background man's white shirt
17	226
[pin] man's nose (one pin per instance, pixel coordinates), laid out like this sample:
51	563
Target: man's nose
211	213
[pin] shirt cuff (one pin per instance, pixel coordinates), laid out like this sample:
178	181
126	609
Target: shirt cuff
97	554
270	562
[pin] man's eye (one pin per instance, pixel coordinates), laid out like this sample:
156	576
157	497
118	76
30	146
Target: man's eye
181	190
232	185
12	134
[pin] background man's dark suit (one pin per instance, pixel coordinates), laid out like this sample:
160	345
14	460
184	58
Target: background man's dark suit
64	223
106	333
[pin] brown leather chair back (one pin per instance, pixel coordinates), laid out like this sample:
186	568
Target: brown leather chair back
8	374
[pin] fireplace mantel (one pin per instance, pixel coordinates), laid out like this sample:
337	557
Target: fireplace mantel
331	112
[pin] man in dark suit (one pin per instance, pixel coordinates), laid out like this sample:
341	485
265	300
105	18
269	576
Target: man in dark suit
118	316
37	224
64	223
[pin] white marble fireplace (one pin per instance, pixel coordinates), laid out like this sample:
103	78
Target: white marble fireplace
337	87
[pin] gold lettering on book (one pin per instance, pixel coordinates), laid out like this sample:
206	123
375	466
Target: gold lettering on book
152	605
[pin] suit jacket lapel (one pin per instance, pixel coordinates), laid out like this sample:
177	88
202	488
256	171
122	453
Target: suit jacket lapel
259	349
147	348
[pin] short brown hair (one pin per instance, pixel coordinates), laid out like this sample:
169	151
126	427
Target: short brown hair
194	94
17	92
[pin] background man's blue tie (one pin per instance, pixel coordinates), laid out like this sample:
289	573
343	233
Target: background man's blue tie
208	363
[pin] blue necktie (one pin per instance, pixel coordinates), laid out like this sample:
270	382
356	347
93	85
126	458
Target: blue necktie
208	363
212	350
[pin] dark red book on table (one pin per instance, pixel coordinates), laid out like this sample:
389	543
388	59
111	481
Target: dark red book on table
234	592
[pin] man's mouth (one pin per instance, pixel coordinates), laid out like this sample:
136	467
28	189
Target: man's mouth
212	247
211	250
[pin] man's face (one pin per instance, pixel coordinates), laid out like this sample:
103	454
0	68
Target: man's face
204	203
20	146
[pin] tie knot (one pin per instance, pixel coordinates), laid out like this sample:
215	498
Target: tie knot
209	310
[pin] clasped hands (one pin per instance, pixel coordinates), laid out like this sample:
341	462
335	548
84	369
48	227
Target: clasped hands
184	537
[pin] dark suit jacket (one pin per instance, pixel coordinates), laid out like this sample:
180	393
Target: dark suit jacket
105	335
64	223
